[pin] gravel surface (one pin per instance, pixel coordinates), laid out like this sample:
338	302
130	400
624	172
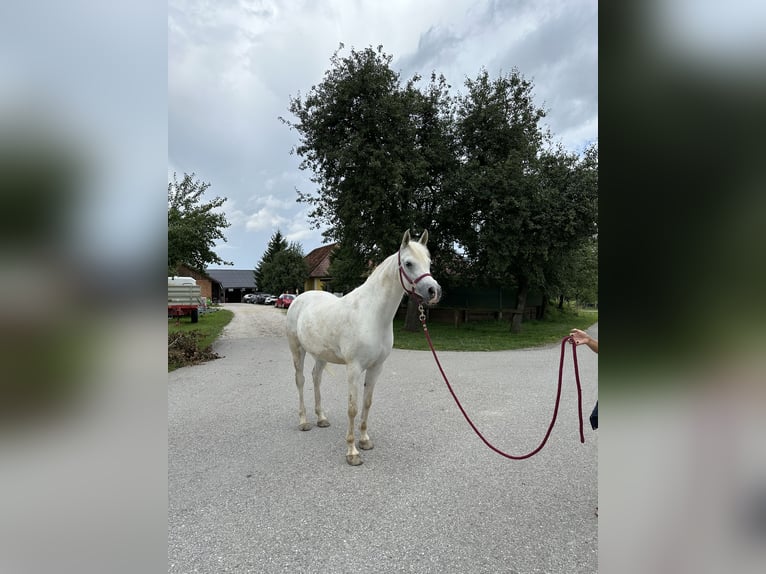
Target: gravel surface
249	492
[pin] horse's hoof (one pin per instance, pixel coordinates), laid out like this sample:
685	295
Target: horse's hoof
305	426
323	423
365	444
354	459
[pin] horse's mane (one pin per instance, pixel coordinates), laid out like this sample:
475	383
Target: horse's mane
382	266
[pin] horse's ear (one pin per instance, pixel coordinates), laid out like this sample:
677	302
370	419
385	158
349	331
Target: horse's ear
406	238
424	238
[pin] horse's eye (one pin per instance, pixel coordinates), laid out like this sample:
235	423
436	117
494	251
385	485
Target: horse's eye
408	265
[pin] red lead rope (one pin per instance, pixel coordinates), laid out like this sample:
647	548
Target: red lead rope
564	341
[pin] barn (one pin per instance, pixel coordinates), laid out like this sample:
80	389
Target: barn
231	285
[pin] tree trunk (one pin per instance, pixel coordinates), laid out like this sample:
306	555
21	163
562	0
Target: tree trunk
543	308
521	303
561	301
411	321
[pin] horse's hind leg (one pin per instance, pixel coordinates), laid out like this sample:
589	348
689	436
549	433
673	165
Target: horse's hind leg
365	443
299	356
316	374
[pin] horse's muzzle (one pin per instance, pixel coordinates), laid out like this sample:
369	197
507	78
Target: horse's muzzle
434	294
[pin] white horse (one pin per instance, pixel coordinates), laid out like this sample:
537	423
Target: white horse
357	330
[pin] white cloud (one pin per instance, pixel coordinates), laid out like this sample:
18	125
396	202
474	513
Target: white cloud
264	219
301	233
234	215
268	201
308	238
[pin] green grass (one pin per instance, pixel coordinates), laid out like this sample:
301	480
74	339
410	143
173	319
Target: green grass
494	335
209	327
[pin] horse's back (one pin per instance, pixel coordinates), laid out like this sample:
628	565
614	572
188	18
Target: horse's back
316	322
309	298
314	303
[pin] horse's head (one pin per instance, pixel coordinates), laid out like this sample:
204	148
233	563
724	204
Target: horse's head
415	269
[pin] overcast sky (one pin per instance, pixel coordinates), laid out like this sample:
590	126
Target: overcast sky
233	65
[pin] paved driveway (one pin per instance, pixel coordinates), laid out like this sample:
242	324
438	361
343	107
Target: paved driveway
249	492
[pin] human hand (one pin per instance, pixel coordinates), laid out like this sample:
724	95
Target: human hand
579	337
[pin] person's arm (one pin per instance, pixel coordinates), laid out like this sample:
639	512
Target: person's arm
581	337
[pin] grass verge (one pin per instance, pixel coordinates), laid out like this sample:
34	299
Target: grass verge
495	335
190	343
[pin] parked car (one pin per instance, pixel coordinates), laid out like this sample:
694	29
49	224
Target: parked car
260	298
249	298
270	300
284	300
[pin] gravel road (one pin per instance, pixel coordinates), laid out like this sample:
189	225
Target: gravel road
249	492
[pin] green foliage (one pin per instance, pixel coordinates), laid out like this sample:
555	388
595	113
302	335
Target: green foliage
575	276
522	205
347	268
378	152
193	226
502	205
570	268
284	270
583	286
276	244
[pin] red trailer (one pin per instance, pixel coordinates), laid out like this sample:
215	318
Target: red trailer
184	298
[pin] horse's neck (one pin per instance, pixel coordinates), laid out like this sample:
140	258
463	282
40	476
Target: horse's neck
382	293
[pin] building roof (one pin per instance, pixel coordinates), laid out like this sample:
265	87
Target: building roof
234	278
318	261
186	271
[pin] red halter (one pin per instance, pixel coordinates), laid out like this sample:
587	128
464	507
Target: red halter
403	275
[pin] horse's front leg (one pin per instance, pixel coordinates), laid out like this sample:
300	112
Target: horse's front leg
354	373
365	443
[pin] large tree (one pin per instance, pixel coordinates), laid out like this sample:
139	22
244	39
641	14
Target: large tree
285	272
568	267
193	225
497	127
379	152
477	171
520	202
371	144
276	244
